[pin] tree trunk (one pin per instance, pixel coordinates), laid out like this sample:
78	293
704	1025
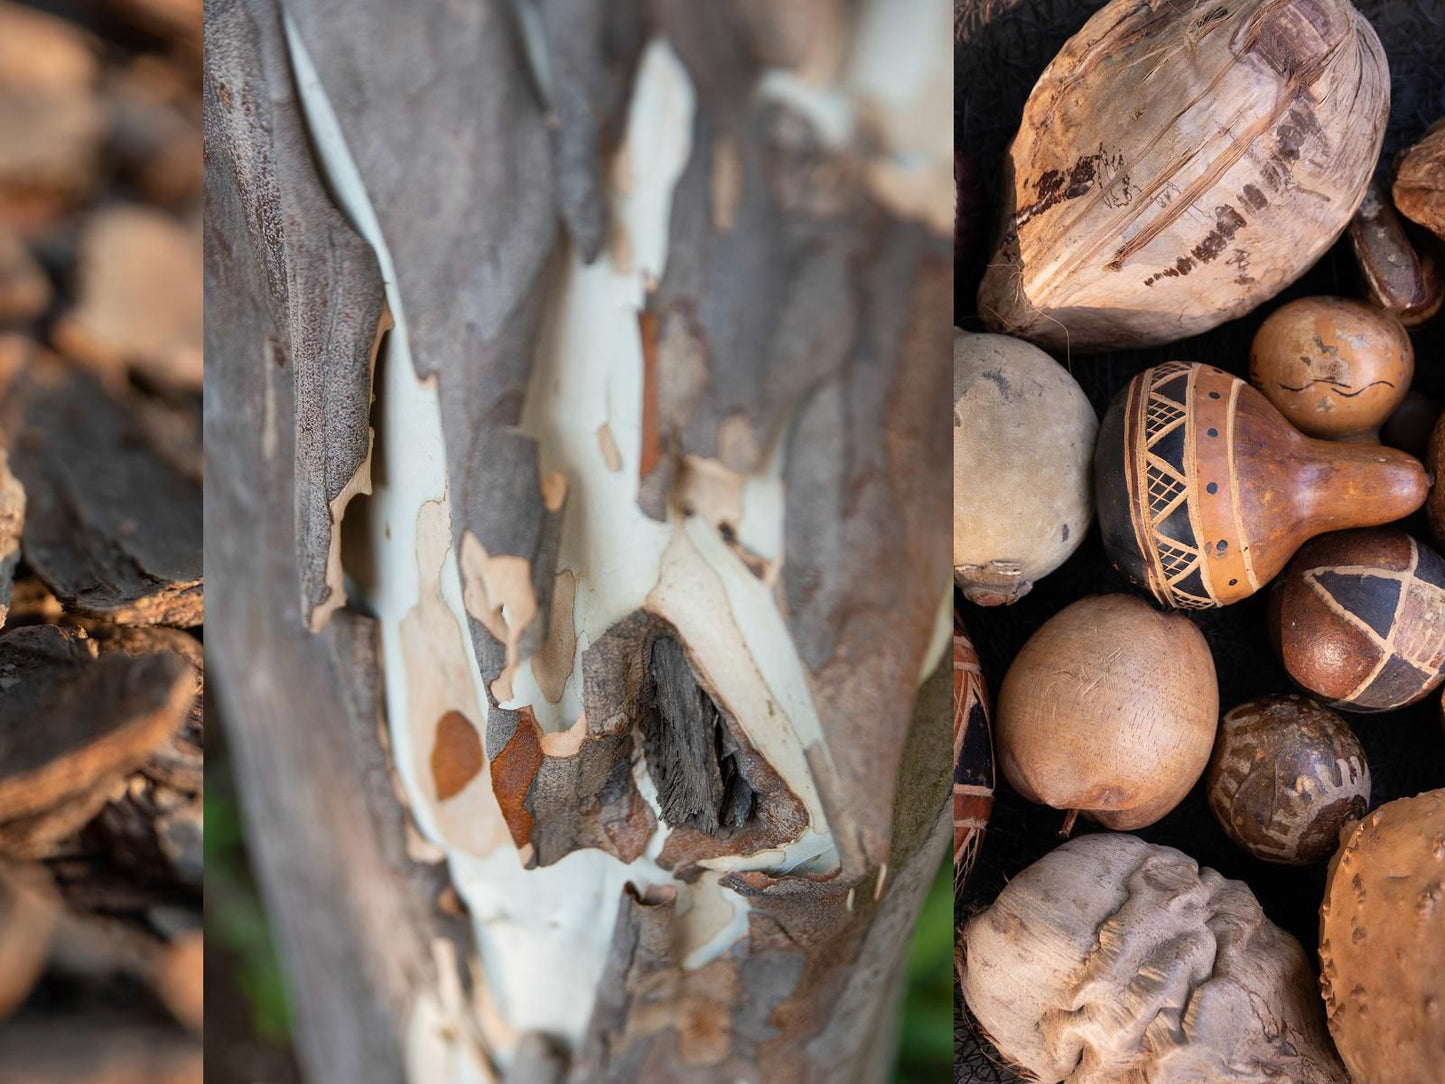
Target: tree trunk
577	422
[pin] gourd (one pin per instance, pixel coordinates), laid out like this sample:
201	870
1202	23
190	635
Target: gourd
1419	187
1382	944
1359	619
1110	709
1115	961
1335	368
1205	491
1179	164
1285	777
973	771
1023	436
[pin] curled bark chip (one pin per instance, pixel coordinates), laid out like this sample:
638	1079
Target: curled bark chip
110	527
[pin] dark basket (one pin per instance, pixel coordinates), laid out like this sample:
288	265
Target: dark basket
1001	47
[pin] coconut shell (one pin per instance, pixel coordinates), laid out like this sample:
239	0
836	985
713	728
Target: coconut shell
973	771
1023	438
1382	944
1115	961
1110	709
1180	163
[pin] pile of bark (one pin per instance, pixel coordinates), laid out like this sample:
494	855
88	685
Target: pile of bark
101	752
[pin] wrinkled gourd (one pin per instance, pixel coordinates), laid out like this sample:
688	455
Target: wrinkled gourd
1023	436
1205	491
1180	163
1382	944
1115	961
1110	709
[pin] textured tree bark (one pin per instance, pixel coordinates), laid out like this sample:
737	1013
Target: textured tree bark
606	737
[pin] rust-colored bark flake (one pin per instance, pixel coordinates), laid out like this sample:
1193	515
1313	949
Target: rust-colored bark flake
651	436
552	664
513	770
457	757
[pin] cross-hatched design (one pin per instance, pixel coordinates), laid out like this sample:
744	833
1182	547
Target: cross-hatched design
1161	417
1166	489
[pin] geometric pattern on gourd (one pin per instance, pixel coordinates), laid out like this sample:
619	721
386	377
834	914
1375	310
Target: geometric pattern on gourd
1413	644
1167	488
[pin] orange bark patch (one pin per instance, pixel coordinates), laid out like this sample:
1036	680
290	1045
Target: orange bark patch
456	758
651	438
512	773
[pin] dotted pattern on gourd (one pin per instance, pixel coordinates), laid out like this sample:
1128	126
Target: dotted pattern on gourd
1001	48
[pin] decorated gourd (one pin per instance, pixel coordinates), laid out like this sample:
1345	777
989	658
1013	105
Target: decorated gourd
1285	777
1335	368
1111	960
1110	709
973	774
1023	436
1359	619
1205	491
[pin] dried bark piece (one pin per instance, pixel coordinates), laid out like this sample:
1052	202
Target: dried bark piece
102	716
24	286
50	121
180	979
27	917
51	831
110	527
42	1048
592	52
1419	188
154	129
1397	277
1112	959
140	298
12	520
1381	949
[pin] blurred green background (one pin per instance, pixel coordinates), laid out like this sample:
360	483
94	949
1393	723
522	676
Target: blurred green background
247	1027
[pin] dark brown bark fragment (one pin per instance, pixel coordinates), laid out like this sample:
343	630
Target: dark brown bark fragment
69	720
357	918
110	526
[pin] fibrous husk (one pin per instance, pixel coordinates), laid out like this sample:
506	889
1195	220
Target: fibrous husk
1115	961
1179	163
1382	943
1419	188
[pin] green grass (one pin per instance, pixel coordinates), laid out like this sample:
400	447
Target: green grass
926	1040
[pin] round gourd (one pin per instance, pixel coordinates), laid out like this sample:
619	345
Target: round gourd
1110	709
1359	619
1335	368
1179	163
1023	437
1285	777
1115	961
1382	944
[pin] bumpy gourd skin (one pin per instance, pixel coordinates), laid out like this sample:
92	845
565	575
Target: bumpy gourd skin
1382	943
1115	961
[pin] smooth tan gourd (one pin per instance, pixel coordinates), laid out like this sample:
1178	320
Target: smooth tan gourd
1205	491
1115	961
1382	944
1335	368
1023	437
1285	776
1180	163
1110	709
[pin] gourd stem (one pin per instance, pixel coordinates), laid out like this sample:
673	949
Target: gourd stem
1068	826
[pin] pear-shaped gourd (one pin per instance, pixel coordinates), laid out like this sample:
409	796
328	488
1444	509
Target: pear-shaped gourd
1180	163
1023	436
1205	491
1115	961
973	772
1382	944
